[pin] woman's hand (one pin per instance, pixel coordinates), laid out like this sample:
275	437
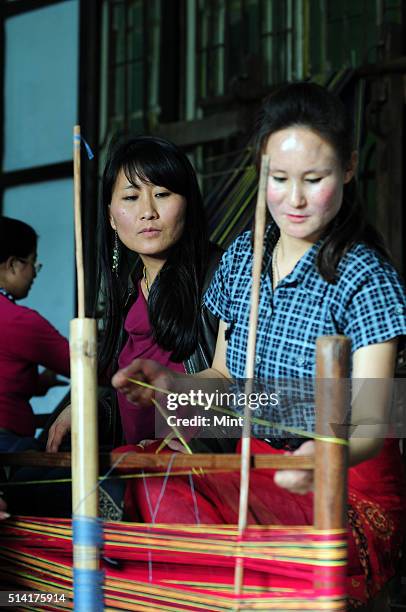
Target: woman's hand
143	370
59	428
297	481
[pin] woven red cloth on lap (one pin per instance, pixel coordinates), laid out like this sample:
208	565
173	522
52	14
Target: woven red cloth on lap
376	509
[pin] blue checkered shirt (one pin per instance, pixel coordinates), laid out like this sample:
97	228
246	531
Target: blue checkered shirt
367	303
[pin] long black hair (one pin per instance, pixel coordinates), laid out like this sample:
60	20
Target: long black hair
174	298
314	107
17	239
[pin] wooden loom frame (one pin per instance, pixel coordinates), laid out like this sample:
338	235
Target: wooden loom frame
330	460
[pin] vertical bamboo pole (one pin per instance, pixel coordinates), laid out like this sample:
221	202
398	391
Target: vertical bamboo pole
78	222
85	468
333	398
332	401
260	214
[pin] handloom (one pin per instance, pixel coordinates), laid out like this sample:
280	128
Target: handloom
191	567
198	567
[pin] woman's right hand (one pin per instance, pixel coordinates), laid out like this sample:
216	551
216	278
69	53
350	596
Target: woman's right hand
147	371
59	428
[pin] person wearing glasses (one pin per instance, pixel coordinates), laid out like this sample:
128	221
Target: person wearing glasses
27	340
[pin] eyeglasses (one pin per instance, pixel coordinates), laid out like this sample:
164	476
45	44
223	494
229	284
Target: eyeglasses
35	264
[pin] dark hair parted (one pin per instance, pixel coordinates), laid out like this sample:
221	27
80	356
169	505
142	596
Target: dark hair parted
314	107
17	239
174	298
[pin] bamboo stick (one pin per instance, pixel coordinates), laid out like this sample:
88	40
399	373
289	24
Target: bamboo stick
85	467
260	214
78	223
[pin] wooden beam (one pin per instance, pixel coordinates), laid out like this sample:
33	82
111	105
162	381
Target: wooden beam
37	174
190	133
388	102
390	197
170	76
89	119
395	66
226	462
10	9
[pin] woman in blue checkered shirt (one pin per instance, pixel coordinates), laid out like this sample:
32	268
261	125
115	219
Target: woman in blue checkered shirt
325	271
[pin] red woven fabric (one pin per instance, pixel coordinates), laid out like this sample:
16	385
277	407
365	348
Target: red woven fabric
188	568
376	509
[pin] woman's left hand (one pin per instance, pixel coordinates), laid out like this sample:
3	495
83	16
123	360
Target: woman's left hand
297	481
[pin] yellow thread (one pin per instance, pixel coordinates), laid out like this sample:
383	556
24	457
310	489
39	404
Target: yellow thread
301	432
177	433
119	476
164	443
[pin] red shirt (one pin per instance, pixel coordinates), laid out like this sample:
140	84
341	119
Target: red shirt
26	341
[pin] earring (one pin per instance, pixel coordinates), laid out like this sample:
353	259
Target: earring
116	254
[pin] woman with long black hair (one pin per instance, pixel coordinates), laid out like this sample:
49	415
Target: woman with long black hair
155	262
325	272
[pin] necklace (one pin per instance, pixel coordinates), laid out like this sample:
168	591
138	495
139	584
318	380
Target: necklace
275	269
144	275
7	294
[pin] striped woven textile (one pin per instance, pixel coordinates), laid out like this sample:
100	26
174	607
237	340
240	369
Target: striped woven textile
183	567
